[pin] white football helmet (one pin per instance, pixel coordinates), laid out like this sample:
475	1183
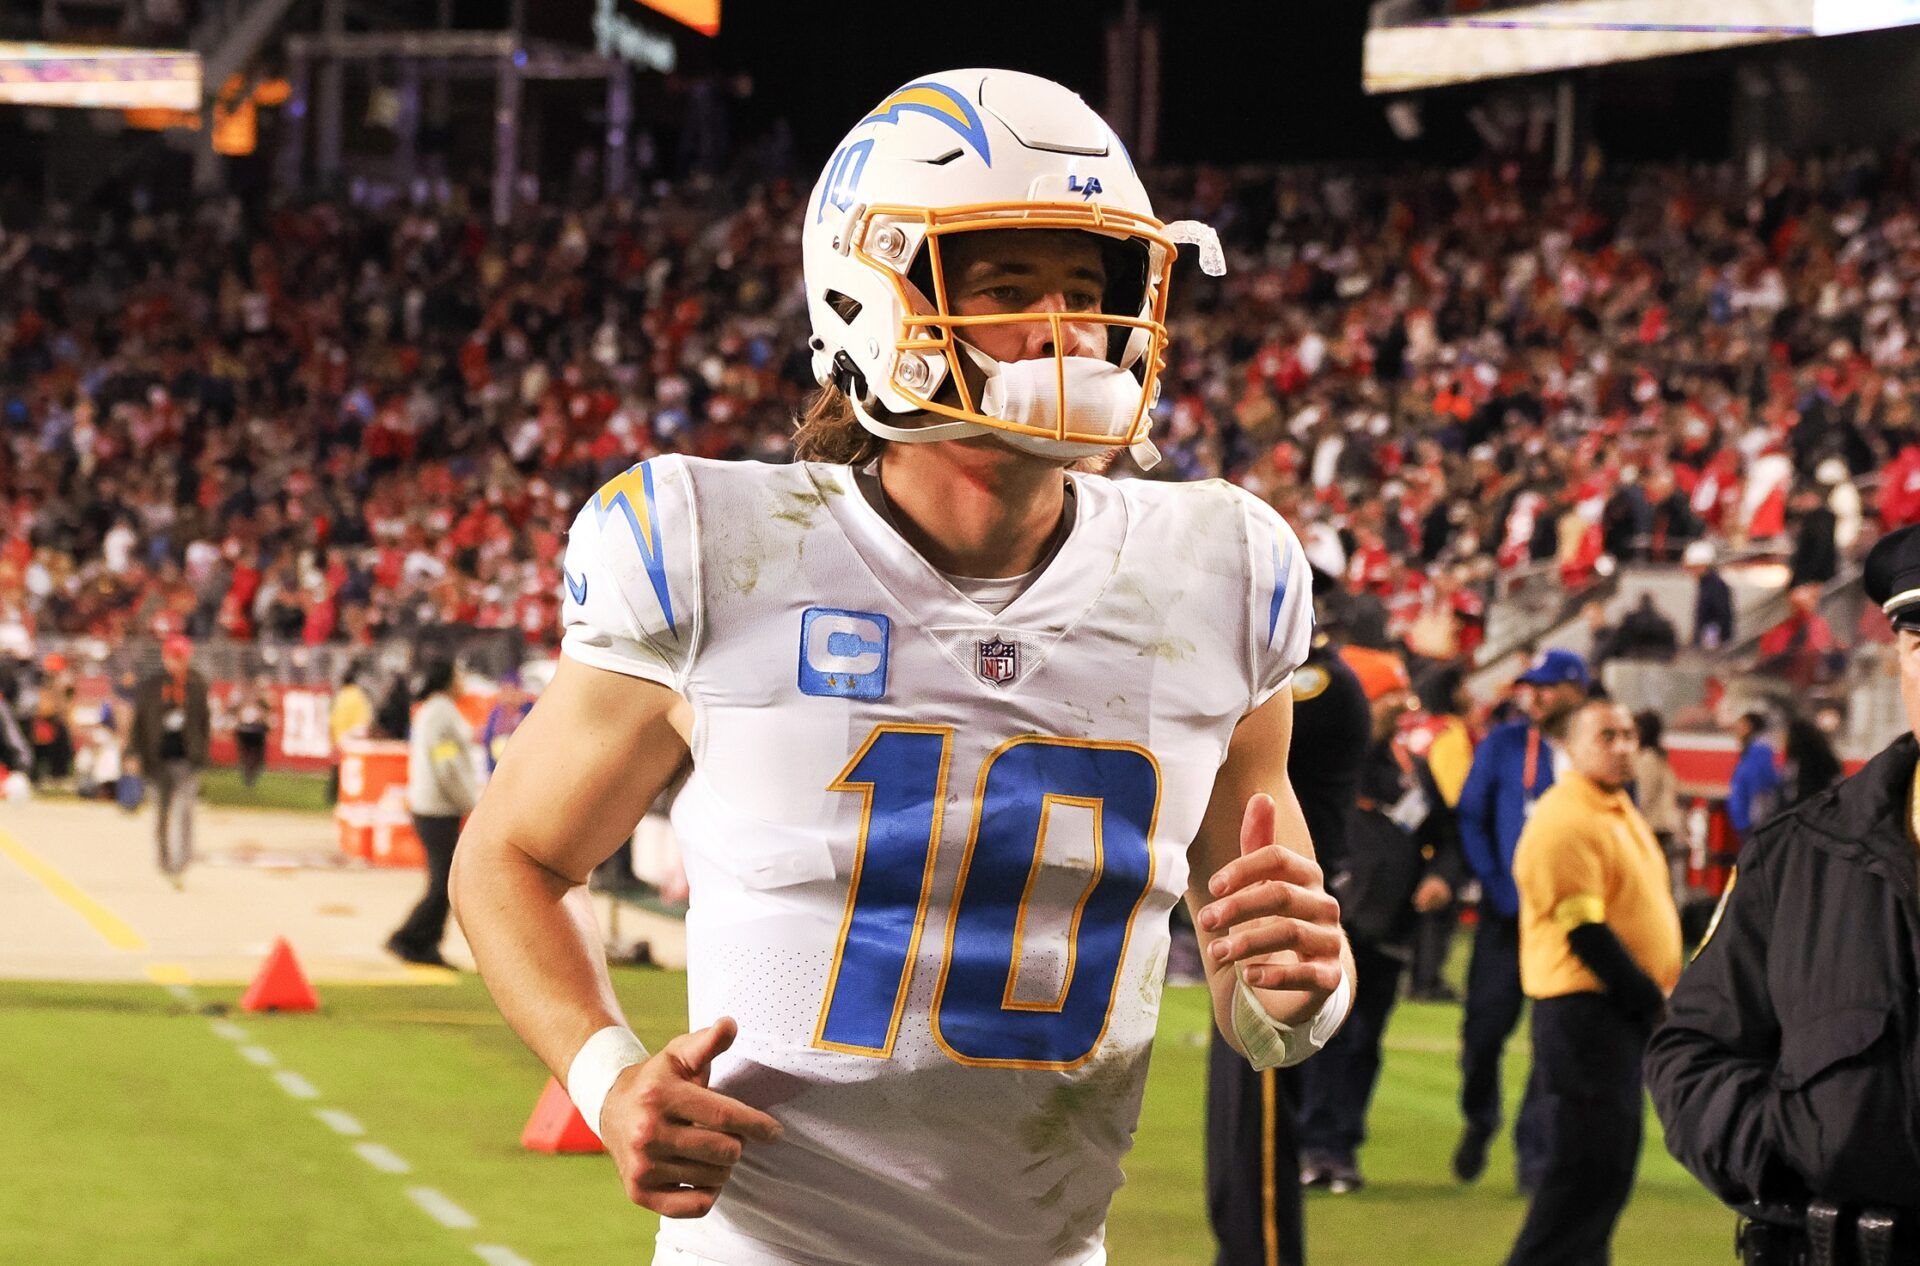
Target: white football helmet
970	151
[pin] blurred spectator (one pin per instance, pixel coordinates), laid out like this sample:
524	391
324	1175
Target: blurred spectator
16	754
349	717
1626	522
1646	633
394	718
1843	498
1801	649
252	720
1754	793
1713	598
1672	524
97	758
510	707
1900	488
1657	793
1440	736
1816	550
442	787
50	724
1811	765
1603	639
172	727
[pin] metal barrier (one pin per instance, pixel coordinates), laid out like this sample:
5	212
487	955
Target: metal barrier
490	652
298	682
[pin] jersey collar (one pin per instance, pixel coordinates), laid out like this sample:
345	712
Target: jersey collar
1064	591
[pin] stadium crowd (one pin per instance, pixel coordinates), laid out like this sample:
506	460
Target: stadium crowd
331	423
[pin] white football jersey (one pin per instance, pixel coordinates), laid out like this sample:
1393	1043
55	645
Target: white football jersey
932	850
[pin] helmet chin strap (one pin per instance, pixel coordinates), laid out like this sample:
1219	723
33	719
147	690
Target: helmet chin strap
930	433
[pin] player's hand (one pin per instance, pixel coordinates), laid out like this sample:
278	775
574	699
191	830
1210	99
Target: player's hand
1273	919
674	1140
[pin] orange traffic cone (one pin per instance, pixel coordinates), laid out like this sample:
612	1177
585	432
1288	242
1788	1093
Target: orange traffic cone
556	1125
281	985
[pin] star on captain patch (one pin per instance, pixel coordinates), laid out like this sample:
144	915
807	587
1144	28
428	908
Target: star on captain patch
999	662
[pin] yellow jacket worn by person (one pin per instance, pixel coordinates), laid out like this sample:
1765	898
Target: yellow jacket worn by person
1587	856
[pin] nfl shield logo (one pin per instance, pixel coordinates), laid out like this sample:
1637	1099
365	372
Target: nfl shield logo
999	661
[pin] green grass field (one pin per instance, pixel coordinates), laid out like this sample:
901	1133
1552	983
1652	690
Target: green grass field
274	789
222	787
133	1133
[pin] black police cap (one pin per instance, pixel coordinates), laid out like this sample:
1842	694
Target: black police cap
1893	577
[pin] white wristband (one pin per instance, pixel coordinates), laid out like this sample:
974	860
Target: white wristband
1271	1044
597	1065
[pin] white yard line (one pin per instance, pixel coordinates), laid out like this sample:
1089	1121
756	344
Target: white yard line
339	1122
382	1158
430	1201
296	1085
499	1255
442	1210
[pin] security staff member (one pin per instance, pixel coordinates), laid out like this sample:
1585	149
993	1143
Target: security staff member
1786	1071
1253	1159
1599	949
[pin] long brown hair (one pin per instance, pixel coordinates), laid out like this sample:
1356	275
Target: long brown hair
829	432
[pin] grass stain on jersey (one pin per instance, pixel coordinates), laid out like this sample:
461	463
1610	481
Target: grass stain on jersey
803	509
1153	979
1170	649
743	573
1049	1132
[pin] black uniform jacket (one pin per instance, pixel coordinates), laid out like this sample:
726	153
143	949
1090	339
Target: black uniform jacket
1330	724
149	721
1786	1067
1401	831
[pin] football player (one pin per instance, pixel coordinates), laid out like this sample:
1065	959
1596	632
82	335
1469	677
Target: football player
964	720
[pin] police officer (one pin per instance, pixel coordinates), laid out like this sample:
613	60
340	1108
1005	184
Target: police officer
1253	1160
1786	1071
1402	860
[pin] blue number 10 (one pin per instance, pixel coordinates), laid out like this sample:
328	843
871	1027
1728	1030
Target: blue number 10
901	773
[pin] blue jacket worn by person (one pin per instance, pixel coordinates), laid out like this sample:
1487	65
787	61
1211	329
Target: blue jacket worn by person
1511	767
1755	787
501	723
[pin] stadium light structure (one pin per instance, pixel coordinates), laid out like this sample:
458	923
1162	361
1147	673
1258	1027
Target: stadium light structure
509	59
1555	35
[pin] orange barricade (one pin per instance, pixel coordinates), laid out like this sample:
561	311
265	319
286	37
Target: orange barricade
372	814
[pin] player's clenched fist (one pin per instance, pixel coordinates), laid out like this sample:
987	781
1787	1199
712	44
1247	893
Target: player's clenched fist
674	1140
1273	917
